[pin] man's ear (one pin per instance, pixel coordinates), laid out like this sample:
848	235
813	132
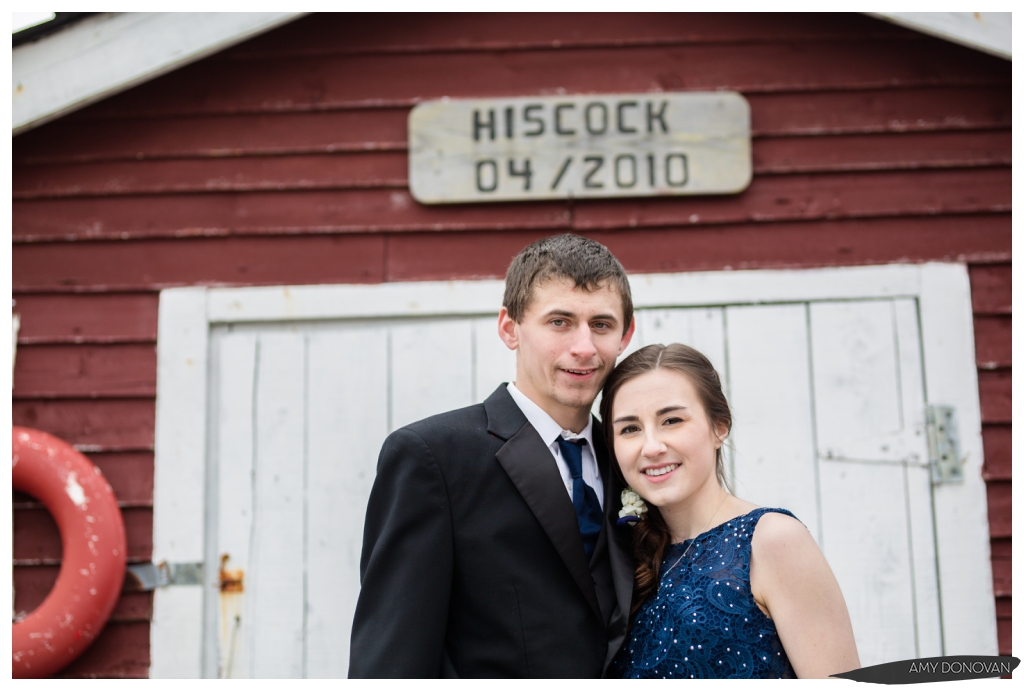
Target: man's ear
507	330
628	336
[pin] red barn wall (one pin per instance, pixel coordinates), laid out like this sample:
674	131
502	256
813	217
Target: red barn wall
283	161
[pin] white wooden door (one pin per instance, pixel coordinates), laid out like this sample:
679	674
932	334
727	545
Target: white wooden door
300	415
829	422
828	398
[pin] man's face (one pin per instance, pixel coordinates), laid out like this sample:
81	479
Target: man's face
566	345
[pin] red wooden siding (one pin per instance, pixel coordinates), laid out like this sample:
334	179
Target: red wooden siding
990	290
283	161
332	170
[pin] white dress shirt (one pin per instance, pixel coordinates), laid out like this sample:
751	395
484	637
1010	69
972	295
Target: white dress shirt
549	431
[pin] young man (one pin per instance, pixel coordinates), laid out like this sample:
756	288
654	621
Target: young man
490	547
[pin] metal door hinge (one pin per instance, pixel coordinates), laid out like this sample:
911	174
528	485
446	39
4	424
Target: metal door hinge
150	576
943	444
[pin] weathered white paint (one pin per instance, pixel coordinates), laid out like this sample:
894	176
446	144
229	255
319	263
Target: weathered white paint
990	32
441	298
858	394
431	369
700	328
233	370
179	479
444	353
773	430
288	303
927	605
961	516
918	480
348	416
869	412
564	147
110	52
766	287
864	522
275	580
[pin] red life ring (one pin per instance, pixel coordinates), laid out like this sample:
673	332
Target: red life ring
94	552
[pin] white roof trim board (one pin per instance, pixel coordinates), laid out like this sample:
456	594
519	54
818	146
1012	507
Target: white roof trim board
86	62
985	31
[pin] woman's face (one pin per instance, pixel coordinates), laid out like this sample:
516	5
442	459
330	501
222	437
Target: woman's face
664	442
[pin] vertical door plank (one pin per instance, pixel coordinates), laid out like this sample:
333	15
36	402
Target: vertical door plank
277	552
494	363
179	478
698	327
773	428
922	558
911	370
868	383
431	368
919	487
961	514
347	419
233	431
859	410
864	518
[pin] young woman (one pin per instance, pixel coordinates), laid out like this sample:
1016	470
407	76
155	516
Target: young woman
724	588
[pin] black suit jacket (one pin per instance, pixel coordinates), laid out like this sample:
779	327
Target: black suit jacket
473	564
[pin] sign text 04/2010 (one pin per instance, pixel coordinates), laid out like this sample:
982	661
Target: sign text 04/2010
579	146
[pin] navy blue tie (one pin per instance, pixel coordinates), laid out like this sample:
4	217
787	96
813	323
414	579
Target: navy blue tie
584	499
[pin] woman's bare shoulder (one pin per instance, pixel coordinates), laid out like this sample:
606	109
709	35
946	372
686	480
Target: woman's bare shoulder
777	532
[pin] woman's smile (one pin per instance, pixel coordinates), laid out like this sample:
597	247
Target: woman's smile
660	473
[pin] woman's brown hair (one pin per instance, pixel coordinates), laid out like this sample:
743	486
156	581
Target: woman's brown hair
651	536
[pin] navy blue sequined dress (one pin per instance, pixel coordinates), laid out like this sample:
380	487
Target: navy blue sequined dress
703	622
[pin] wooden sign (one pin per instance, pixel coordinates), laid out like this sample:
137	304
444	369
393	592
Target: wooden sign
561	147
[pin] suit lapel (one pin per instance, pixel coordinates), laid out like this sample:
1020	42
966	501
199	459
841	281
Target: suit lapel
620	548
532	469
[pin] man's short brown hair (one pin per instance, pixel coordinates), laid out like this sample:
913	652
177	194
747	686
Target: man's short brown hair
586	263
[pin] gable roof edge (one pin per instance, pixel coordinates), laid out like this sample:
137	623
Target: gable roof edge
84	63
989	32
80	64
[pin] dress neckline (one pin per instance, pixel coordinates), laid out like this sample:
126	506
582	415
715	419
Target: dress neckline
711	530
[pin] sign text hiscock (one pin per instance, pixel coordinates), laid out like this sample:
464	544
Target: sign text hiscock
556	147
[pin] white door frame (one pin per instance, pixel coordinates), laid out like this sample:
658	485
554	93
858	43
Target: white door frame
187	314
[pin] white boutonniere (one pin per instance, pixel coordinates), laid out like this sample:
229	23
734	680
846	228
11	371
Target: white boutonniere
633	508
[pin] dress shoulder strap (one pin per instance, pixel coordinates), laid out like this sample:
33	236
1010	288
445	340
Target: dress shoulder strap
755	515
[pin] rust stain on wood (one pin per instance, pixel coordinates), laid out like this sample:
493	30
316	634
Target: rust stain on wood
231	580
